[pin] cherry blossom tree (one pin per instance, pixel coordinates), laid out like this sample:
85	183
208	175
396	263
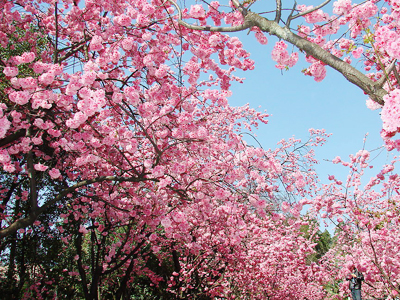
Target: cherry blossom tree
117	140
366	214
360	41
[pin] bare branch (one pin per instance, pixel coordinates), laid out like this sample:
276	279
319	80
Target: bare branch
291	14
381	81
309	11
396	74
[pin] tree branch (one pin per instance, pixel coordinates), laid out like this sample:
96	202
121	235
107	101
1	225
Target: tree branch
27	221
396	75
12	137
289	19
371	88
309	11
278	11
385	76
127	257
349	72
78	244
32	178
55	59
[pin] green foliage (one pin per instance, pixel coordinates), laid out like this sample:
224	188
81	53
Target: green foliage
322	239
324	243
21	41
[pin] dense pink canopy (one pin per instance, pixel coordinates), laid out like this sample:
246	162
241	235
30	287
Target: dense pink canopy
116	135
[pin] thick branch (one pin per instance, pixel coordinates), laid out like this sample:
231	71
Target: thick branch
78	244
8	196
371	88
396	75
350	73
12	137
56	24
32	178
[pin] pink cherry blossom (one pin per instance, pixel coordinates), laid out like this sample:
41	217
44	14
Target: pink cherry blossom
372	105
10	71
197	11
315	16
27	57
54	173
282	57
318	71
285	206
46	78
391	111
261	38
4	157
20	98
8	167
124	114
4	126
357	53
341	7
40	167
78	119
158	171
123	20
96	43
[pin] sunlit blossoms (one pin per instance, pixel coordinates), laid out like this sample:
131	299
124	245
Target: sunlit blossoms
125	171
282	57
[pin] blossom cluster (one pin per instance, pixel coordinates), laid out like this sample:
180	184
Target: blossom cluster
282	57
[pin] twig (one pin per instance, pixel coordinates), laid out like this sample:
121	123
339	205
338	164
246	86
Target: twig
309	11
381	81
